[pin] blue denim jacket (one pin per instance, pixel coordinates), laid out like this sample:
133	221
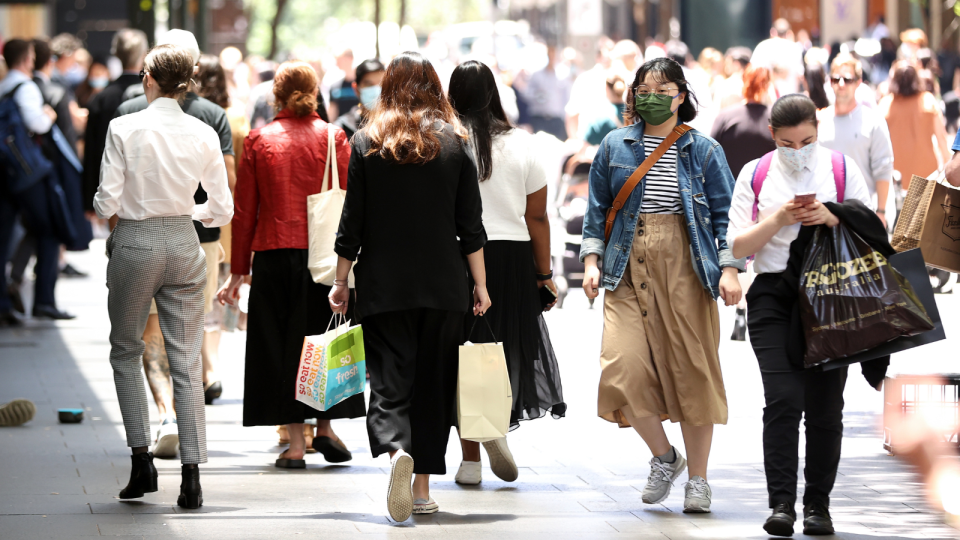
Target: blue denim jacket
706	187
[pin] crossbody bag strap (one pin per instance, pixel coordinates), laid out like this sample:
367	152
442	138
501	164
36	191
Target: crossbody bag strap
638	175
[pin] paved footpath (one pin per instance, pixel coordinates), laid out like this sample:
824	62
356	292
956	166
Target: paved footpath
580	477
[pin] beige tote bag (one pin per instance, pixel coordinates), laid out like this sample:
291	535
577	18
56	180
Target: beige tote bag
484	397
930	220
323	220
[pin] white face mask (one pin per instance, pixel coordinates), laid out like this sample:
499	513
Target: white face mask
797	160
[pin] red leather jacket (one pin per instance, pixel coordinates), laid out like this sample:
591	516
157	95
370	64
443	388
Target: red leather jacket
282	164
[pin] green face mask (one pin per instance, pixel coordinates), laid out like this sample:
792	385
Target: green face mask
653	108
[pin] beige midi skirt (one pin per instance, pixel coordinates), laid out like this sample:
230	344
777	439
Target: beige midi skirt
661	332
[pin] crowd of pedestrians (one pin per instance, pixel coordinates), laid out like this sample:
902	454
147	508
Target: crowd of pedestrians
199	168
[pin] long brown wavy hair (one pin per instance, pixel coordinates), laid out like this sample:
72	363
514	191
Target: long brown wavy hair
403	126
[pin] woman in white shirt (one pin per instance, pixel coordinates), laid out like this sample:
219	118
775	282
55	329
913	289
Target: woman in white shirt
763	224
152	164
513	188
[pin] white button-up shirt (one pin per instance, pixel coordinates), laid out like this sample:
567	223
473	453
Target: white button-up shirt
29	100
152	163
779	188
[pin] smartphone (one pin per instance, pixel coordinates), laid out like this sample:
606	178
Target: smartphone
804	199
547	296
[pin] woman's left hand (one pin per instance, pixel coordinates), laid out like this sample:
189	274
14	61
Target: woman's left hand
548	283
817	213
481	300
230	292
730	289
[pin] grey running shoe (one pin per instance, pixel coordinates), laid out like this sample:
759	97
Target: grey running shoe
697	494
661	478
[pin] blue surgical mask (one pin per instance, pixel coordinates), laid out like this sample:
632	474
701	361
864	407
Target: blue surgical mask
99	82
369	96
797	160
75	75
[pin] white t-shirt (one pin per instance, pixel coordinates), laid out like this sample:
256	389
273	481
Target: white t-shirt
516	173
779	188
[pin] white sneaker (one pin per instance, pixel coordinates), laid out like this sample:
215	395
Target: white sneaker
697	496
469	473
661	478
501	460
168	439
425	506
400	489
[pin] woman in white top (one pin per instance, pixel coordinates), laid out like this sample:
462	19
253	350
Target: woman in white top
764	225
513	188
152	164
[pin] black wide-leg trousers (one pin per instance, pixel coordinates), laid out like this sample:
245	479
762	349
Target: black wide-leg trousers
413	359
792	393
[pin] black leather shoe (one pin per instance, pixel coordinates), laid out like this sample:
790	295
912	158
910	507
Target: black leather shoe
740	326
10	319
41	311
212	392
816	520
16	300
191	496
143	477
780	523
69	271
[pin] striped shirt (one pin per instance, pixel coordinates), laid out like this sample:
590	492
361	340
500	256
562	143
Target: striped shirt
661	193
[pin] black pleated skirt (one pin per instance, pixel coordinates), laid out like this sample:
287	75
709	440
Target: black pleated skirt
285	305
516	317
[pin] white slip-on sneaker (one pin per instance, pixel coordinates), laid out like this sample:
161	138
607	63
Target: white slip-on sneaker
400	489
425	506
501	460
697	495
661	478
469	473
168	439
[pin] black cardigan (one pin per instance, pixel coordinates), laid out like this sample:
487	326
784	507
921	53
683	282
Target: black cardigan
411	225
861	220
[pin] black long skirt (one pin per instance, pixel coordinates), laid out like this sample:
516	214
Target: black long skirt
516	316
285	305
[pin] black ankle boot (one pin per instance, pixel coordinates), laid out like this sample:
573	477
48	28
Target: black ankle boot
191	496
143	477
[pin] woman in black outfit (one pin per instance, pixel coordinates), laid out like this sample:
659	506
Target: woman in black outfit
413	214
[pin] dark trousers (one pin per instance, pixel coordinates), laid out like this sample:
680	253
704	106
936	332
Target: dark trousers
32	205
791	394
412	358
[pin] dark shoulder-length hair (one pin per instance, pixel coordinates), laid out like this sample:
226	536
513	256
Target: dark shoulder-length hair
212	81
816	79
474	96
904	79
664	70
403	127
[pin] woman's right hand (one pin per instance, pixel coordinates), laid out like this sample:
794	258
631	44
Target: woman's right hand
591	277
339	298
481	300
787	214
230	292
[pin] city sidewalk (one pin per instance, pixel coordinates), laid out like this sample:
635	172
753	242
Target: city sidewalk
580	477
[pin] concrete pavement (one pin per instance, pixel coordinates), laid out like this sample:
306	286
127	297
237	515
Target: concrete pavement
580	477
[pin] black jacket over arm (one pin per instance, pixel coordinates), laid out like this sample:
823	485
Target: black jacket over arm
861	220
101	109
409	228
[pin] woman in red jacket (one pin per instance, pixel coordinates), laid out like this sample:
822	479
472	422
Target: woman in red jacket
283	163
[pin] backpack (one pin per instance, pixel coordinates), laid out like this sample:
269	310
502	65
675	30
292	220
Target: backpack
763	167
21	158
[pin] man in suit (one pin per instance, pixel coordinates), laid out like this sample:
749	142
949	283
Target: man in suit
130	46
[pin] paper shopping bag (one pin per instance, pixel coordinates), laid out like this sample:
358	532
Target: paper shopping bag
484	397
930	220
332	367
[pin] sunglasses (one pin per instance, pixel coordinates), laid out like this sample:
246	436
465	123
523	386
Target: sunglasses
846	80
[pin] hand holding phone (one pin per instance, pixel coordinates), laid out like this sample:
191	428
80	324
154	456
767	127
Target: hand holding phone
804	199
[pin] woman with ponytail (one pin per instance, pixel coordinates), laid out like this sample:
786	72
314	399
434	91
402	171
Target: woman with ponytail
283	163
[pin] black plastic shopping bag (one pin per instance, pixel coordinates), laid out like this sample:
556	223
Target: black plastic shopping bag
852	299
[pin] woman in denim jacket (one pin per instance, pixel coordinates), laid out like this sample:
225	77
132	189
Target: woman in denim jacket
665	264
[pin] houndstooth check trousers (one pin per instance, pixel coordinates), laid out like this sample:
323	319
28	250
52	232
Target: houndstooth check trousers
158	258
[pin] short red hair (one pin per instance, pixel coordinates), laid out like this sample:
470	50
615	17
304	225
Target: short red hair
295	88
756	82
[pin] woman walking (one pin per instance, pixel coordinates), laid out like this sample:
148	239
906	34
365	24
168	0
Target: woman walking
284	163
666	262
412	213
764	224
513	188
152	164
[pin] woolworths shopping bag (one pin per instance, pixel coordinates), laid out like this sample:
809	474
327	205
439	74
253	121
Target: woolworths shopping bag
484	397
332	366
